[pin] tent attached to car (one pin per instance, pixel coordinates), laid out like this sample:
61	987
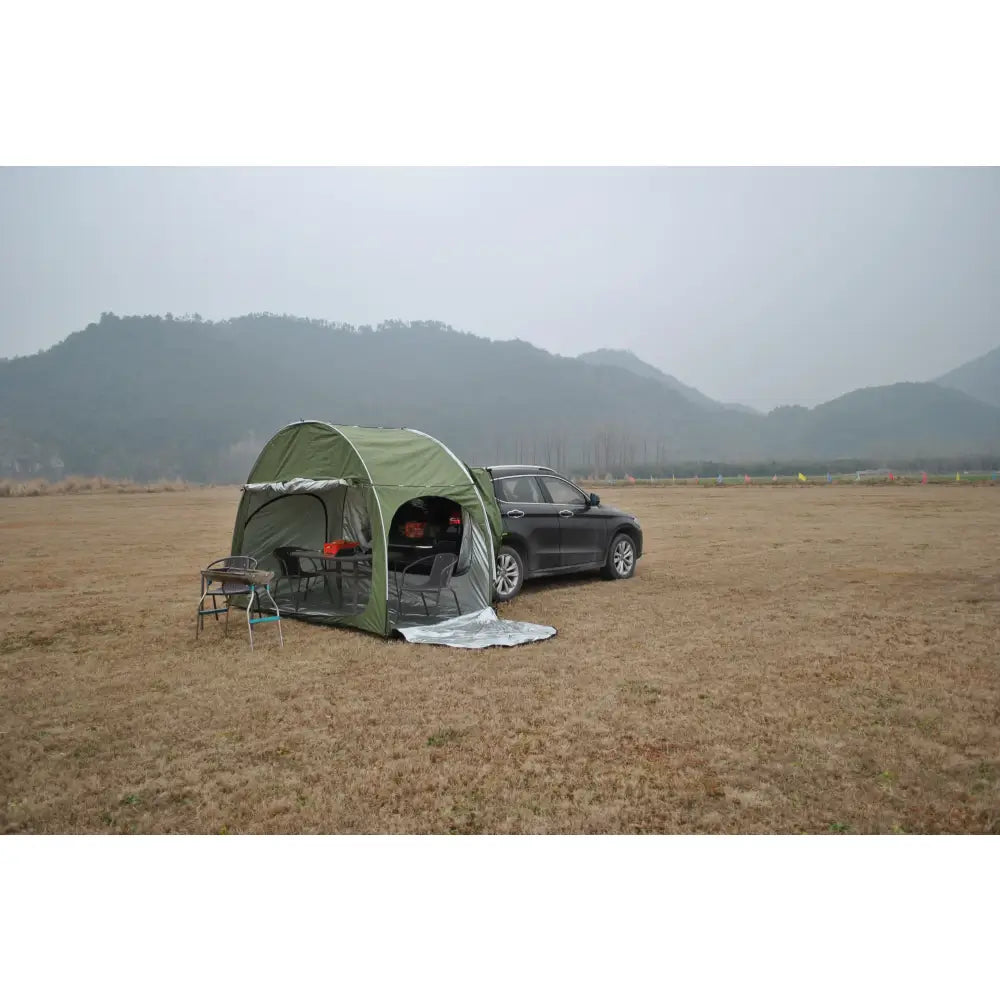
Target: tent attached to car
402	498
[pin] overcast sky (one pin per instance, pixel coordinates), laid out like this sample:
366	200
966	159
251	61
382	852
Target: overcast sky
756	285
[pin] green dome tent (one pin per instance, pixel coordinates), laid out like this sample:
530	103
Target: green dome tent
315	482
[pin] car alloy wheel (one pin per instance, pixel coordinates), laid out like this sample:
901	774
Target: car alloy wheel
623	557
508	575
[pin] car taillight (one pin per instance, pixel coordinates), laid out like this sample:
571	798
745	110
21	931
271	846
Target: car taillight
454	520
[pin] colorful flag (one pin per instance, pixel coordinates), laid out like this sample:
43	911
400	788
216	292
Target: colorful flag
829	478
802	478
923	479
892	478
958	476
746	478
718	479
774	478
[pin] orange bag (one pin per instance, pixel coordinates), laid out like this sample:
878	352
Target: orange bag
335	548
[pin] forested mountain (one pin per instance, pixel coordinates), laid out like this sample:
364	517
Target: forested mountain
979	378
902	422
148	397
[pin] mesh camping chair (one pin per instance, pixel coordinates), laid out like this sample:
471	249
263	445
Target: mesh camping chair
437	580
293	571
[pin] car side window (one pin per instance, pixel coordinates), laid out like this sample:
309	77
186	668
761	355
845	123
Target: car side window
562	492
504	489
519	489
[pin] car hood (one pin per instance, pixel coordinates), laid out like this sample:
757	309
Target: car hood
616	512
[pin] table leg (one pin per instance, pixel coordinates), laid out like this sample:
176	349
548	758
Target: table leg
327	586
253	593
199	621
281	638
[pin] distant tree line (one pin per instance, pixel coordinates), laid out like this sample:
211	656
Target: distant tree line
614	452
810	466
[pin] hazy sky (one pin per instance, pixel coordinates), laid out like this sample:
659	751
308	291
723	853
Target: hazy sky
755	285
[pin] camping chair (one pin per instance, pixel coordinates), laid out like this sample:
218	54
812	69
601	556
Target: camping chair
229	589
293	571
224	590
437	580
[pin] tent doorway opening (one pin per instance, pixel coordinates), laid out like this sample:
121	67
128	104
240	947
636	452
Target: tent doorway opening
289	529
423	528
430	546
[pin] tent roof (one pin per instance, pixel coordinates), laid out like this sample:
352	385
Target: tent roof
382	456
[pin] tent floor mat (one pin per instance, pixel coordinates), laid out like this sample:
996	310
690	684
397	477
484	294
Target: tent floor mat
477	630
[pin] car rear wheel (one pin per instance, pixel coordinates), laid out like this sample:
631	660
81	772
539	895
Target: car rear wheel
509	573
621	558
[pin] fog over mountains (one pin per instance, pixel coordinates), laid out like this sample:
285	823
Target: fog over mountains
148	397
630	363
979	378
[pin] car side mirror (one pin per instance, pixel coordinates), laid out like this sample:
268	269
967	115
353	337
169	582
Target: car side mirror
594	500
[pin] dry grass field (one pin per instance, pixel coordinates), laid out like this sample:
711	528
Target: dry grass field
787	659
85	484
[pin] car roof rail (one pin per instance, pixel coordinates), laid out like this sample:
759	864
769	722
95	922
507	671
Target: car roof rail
523	465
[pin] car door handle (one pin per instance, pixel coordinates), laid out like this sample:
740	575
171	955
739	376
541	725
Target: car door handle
565	513
515	513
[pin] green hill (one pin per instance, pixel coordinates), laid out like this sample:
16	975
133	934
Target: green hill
892	423
147	397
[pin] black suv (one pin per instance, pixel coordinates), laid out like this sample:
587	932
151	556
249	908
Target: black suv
552	527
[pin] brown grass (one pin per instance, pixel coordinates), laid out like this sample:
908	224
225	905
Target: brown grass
792	660
85	484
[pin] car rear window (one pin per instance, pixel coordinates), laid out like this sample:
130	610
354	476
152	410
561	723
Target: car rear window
519	489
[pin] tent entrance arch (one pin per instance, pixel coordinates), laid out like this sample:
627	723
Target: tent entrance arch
427	526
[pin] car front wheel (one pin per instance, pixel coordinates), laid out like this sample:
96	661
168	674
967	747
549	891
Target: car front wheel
509	574
621	558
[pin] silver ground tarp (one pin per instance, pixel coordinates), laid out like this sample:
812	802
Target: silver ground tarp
477	630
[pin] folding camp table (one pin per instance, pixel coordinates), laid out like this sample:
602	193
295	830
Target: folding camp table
333	565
